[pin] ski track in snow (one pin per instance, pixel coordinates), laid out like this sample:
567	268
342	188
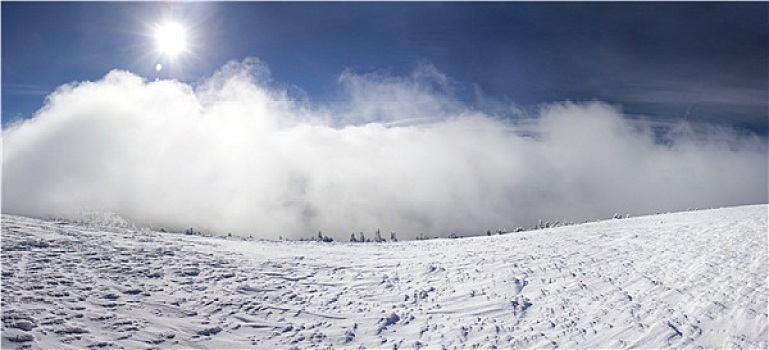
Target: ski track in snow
693	279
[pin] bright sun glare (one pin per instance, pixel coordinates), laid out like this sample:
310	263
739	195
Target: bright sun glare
171	39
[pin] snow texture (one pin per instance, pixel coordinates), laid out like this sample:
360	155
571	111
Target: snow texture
692	279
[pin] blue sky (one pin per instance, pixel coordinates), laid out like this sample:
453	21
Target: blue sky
425	117
702	61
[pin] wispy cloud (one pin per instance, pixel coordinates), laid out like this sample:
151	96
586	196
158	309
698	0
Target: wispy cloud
23	89
236	154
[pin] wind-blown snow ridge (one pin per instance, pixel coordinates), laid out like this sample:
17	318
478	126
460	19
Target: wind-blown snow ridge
678	280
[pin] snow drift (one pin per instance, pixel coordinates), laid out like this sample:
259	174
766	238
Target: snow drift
687	280
237	153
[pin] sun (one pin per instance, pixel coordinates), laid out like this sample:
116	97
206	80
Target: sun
171	39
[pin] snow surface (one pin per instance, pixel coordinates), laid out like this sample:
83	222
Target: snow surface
692	279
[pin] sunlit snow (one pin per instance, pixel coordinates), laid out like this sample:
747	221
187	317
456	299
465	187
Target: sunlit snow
692	279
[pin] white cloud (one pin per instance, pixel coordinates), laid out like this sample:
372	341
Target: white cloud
236	154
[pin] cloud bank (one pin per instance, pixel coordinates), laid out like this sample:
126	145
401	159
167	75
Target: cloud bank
237	153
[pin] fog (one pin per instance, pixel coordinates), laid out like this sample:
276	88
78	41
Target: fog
241	153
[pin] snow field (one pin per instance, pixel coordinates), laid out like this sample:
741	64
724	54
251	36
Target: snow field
692	279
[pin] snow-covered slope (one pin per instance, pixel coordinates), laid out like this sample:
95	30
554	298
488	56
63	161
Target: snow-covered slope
677	280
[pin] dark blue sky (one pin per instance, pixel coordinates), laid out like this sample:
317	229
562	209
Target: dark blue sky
654	59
